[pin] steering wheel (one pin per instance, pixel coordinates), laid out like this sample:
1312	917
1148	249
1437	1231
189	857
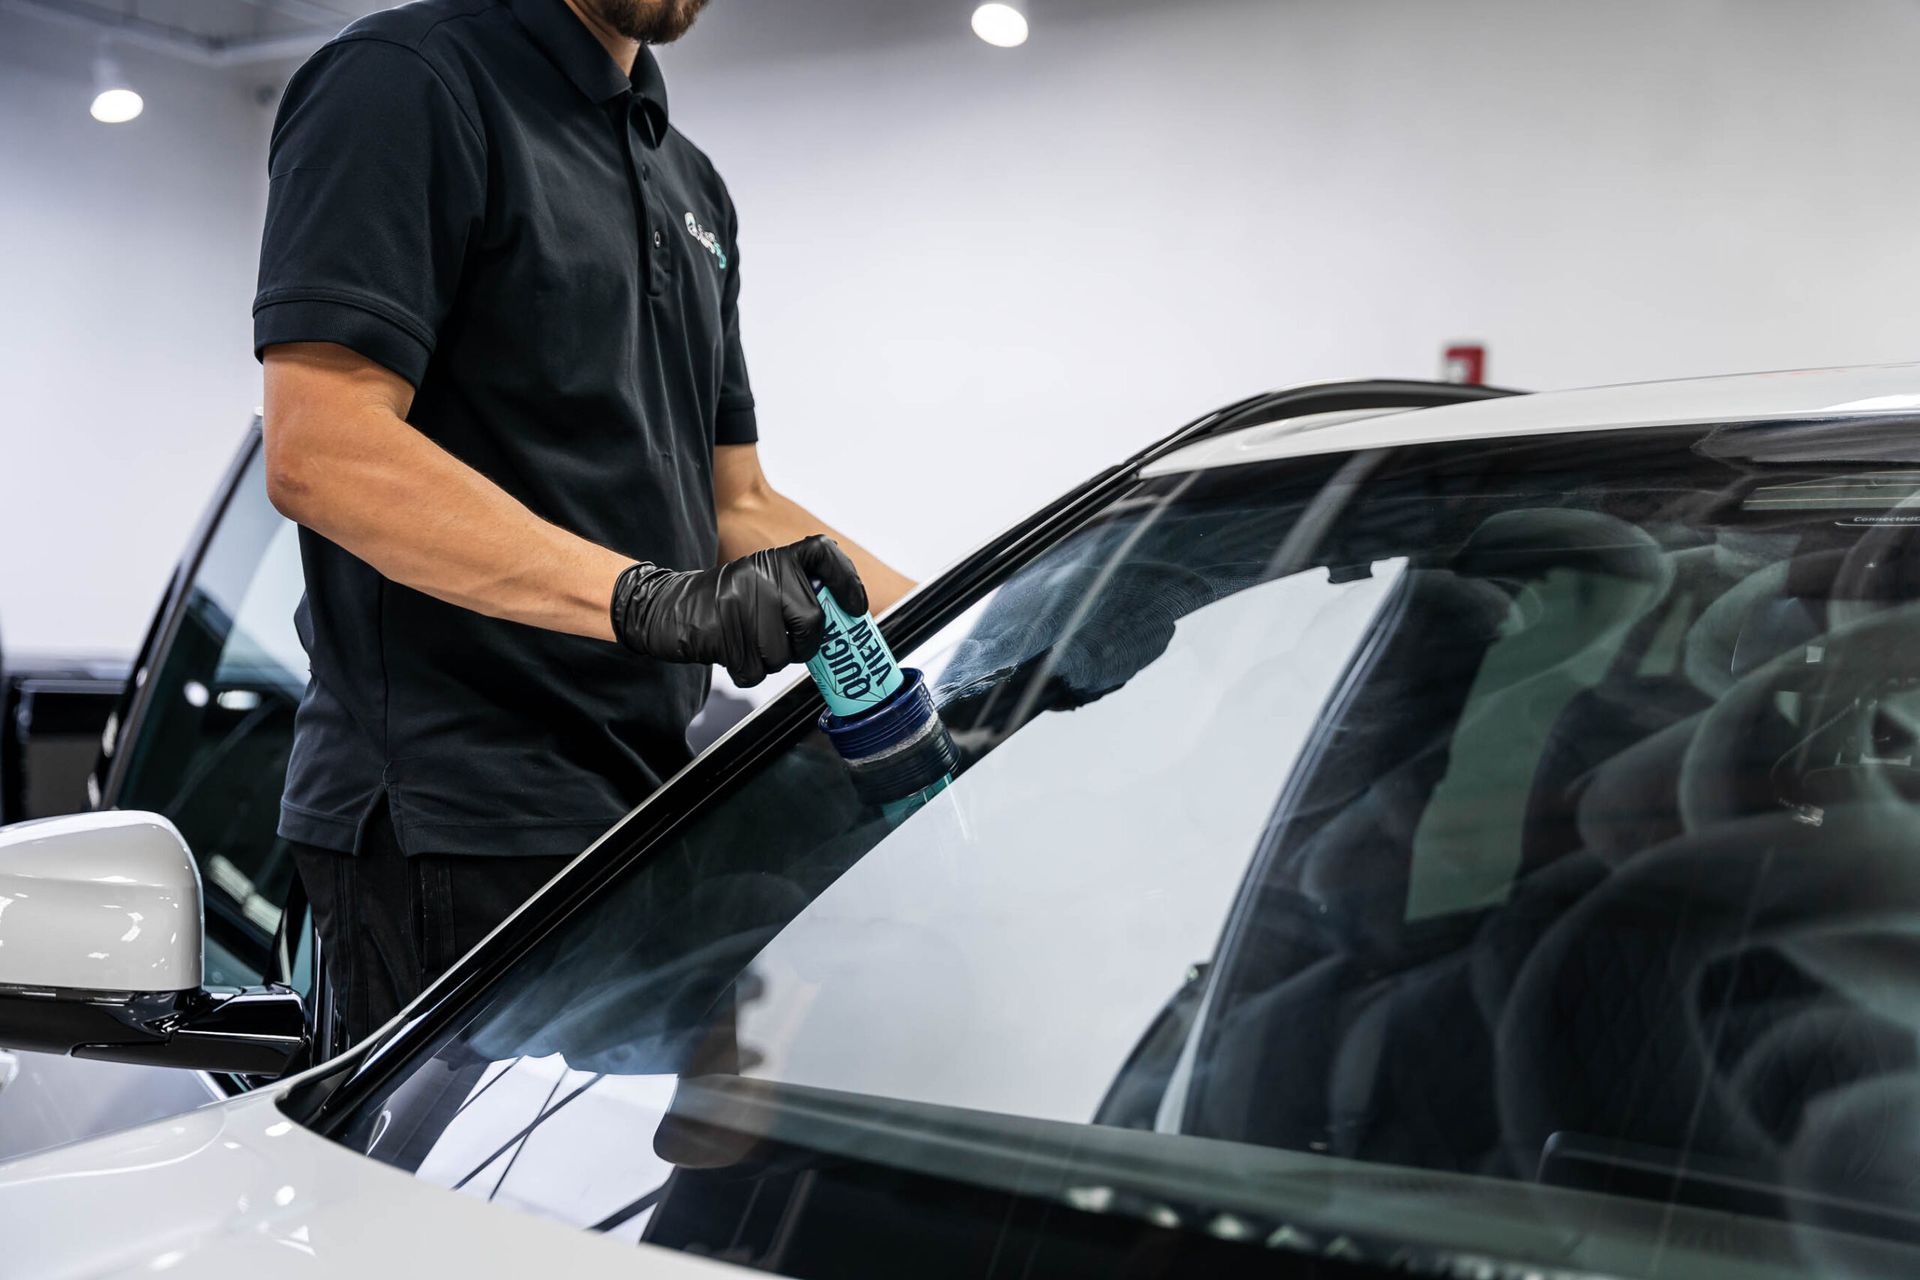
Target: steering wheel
1843	679
1608	1029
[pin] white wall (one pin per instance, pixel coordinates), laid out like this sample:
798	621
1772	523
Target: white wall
1002	268
126	368
973	276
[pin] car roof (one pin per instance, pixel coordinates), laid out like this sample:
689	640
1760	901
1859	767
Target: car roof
1802	395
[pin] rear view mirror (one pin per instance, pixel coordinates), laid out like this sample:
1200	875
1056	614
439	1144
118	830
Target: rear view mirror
100	944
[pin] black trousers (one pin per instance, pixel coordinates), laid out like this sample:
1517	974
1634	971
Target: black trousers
390	924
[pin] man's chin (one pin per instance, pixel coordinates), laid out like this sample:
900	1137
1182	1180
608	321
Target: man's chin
652	21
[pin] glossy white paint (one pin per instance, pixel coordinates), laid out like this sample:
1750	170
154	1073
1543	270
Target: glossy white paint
99	902
52	1100
1251	445
1807	395
239	1192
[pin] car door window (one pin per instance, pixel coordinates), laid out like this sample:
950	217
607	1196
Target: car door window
210	751
1489	850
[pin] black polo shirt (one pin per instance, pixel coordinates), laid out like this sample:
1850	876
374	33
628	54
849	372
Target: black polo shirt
473	194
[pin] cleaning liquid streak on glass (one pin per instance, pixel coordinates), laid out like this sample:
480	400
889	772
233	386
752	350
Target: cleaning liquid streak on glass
854	669
898	811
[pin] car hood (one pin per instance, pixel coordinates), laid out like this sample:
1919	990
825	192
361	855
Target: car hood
236	1189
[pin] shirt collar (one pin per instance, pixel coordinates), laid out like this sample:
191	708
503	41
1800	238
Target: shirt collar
571	47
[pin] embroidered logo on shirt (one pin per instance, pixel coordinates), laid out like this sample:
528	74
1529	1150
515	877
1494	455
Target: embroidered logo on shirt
707	238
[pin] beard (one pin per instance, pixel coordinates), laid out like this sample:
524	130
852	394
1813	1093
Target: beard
649	21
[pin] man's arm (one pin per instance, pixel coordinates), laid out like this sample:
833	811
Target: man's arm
343	461
754	515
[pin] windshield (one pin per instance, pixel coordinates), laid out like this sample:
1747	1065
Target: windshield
1470	850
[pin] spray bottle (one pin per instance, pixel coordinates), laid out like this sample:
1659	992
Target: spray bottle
880	717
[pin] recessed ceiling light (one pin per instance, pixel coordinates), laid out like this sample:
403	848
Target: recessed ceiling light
117	106
114	101
1000	24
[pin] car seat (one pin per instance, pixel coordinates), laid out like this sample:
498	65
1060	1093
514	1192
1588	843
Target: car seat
1622	732
1320	924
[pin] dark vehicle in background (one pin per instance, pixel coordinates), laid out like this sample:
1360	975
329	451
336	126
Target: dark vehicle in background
53	711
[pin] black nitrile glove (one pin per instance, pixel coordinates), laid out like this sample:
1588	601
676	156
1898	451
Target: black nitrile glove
752	616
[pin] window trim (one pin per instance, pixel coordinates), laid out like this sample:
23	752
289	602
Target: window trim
108	778
130	716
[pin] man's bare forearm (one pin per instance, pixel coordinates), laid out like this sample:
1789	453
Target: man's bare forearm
754	516
342	460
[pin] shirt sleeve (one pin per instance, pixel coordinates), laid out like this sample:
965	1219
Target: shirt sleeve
376	184
736	422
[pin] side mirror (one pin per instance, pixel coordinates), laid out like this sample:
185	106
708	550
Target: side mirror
100	941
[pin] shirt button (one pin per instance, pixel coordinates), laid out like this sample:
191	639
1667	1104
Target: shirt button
659	241
646	171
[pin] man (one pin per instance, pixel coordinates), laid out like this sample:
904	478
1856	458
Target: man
506	400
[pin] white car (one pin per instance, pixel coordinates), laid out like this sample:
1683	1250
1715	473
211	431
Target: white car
1398	829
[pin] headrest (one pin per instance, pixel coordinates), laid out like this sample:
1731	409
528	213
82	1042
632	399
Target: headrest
1527	543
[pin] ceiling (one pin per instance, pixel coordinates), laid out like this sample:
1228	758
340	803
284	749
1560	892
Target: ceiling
238	19
268	33
776	30
211	32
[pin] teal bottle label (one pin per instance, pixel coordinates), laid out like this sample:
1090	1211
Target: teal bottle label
854	669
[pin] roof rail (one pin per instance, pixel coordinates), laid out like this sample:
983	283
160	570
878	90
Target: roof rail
1312	398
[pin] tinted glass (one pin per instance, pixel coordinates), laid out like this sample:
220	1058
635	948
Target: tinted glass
1490	850
211	751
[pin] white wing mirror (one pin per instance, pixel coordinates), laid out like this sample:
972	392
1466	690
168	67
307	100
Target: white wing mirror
100	902
100	944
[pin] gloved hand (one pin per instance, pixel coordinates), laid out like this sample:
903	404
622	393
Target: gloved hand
752	616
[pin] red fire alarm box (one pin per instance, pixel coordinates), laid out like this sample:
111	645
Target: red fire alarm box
1465	362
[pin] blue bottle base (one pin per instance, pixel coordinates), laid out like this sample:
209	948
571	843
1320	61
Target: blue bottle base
898	748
